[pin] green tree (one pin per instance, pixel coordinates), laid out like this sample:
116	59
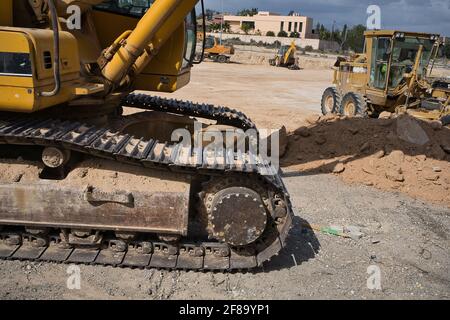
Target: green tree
294	34
282	34
213	27
446	50
248	12
270	34
355	38
324	33
226	27
246	27
209	14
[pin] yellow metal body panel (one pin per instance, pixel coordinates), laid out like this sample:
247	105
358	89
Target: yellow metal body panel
391	33
217	48
160	22
166	64
20	93
351	76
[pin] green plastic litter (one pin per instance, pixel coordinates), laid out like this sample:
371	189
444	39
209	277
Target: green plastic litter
330	231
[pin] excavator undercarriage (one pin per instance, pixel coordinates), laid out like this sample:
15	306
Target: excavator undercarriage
180	214
90	172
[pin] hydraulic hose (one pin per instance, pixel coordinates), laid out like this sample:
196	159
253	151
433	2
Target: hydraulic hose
56	71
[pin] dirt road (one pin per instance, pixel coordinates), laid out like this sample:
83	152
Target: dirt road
270	96
406	239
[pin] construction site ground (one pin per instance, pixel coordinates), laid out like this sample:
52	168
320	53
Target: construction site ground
388	178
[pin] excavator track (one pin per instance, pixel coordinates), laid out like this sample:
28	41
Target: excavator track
146	251
223	115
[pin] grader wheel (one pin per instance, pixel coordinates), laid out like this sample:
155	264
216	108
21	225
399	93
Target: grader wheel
331	101
354	105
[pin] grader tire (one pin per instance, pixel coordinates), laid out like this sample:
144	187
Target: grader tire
331	101
445	120
354	105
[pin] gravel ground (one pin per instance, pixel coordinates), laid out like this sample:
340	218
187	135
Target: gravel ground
405	238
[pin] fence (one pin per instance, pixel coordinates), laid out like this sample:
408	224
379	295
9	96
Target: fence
315	44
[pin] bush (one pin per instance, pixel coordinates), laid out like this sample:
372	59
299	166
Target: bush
446	50
294	35
309	48
270	34
282	34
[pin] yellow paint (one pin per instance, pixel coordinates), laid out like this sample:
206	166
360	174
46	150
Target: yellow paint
21	93
6	13
153	30
168	59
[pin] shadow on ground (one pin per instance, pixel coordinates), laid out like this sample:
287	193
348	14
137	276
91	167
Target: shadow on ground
301	246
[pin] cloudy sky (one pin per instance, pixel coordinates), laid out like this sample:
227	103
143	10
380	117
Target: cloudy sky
431	16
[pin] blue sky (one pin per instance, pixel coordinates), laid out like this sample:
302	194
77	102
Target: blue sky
431	16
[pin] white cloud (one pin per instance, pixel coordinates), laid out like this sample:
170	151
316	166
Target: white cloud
409	15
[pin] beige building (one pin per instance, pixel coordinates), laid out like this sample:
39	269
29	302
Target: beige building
266	21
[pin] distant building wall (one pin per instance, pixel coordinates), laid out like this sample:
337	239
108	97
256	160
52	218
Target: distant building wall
264	22
316	44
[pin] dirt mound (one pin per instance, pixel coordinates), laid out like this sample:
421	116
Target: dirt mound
262	58
401	154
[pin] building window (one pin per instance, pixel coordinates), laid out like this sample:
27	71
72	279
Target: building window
282	26
295	27
301	27
248	25
290	26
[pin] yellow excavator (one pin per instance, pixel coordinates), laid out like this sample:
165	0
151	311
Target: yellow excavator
85	180
286	58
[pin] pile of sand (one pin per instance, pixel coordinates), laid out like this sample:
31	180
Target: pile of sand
401	154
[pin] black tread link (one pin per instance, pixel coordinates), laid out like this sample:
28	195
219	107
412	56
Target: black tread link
223	115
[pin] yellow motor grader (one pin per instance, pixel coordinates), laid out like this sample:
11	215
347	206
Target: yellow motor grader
393	74
82	182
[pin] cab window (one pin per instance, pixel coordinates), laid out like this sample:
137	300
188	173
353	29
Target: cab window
380	60
209	43
15	64
191	39
404	55
133	8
